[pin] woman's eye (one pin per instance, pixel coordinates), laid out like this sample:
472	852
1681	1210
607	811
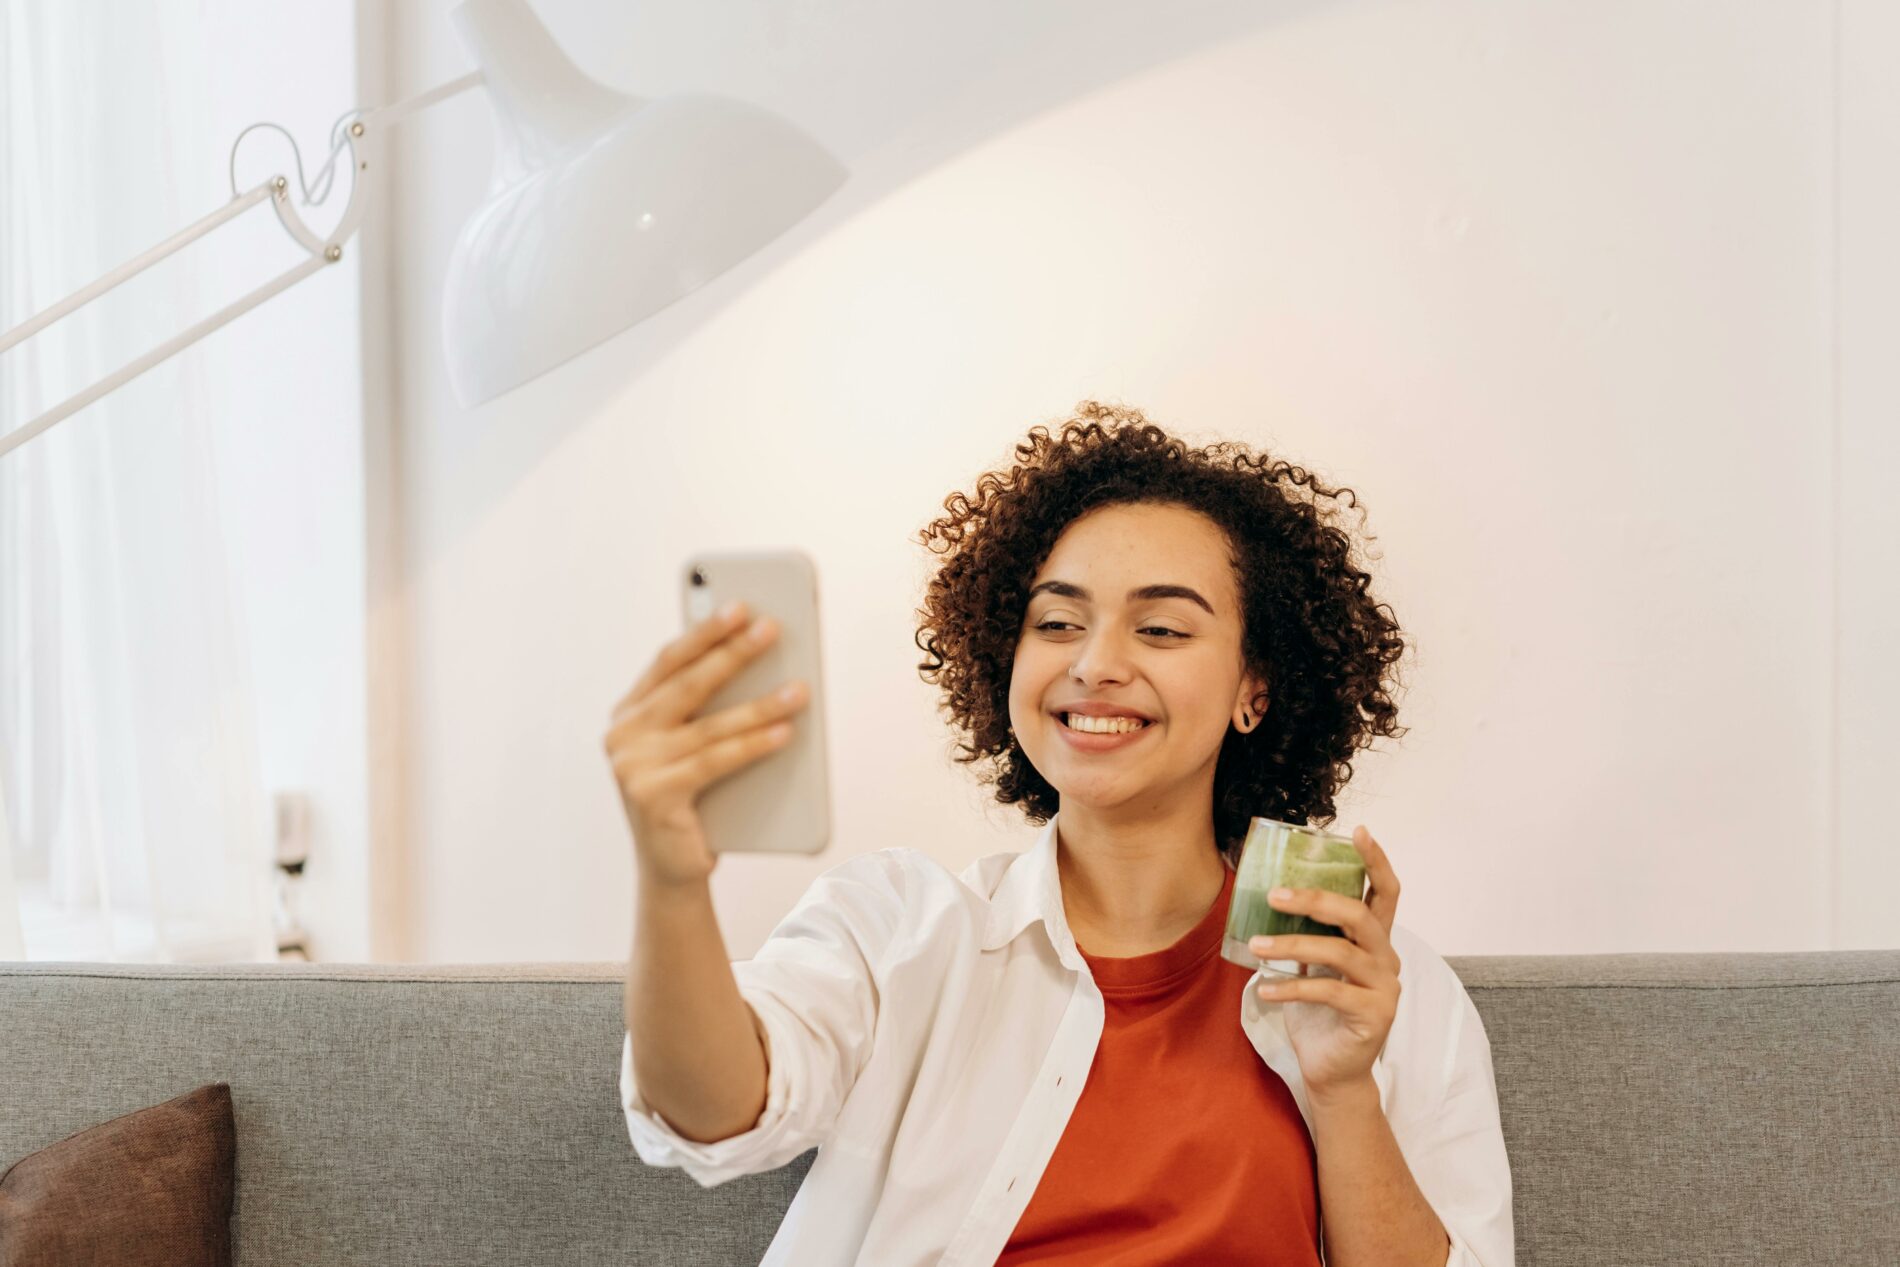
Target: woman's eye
1172	633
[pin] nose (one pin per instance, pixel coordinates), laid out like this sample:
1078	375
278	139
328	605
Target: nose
1100	658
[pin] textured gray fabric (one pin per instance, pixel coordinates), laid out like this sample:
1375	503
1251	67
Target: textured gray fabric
1680	1109
1698	1109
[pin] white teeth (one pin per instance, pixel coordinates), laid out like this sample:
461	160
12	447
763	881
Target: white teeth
1102	725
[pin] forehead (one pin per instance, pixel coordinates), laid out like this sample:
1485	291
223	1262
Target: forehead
1144	543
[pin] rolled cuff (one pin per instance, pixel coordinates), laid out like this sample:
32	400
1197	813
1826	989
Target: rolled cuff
771	1142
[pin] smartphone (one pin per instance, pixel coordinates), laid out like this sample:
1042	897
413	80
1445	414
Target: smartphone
781	802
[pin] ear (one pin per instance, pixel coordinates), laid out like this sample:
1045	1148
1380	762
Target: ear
1251	703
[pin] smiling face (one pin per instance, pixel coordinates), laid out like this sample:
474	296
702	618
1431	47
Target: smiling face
1171	653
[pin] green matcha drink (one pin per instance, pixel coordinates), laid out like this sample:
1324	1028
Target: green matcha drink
1286	855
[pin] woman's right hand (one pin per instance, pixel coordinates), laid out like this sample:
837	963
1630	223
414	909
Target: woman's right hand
662	759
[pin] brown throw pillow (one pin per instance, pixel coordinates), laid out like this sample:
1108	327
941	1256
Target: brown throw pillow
147	1189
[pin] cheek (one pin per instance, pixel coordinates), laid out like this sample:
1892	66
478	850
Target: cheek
1032	679
1022	699
1028	673
1192	706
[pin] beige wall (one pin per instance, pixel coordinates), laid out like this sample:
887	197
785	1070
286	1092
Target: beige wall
1552	288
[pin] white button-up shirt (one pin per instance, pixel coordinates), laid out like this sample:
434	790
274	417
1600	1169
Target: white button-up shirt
933	1045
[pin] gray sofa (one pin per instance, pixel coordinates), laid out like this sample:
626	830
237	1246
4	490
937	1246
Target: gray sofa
1658	1109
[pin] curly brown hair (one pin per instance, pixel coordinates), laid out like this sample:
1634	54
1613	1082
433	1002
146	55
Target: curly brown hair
1309	627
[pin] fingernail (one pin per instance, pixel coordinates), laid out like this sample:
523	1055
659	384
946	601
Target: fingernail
1279	895
764	628
1262	943
731	610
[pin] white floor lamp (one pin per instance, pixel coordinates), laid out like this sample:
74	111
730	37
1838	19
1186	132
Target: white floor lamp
603	208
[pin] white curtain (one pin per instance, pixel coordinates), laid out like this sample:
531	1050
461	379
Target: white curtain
133	826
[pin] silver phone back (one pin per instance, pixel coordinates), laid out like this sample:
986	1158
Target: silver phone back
780	803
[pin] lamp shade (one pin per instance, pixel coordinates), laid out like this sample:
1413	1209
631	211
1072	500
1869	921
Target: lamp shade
603	207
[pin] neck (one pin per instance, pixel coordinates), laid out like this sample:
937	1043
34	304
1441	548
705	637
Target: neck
1134	879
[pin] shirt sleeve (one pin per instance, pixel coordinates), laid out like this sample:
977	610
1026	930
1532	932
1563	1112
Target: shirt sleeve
815	985
1456	1153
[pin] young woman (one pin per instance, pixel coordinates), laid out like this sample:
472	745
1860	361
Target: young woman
1045	1059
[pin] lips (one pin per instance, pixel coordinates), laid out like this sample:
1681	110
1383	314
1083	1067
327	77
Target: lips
1060	713
1142	723
1101	741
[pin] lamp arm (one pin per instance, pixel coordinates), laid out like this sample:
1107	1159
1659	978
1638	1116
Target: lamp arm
363	139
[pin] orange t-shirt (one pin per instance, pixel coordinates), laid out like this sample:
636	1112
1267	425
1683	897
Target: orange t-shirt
1184	1146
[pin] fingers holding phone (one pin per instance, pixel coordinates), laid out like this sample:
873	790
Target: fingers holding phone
663	756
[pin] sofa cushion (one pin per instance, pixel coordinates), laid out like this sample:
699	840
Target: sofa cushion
1655	1106
151	1187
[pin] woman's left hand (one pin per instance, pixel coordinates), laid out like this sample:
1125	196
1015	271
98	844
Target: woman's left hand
1338	1020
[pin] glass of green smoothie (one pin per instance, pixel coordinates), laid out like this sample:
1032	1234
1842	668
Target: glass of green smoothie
1279	855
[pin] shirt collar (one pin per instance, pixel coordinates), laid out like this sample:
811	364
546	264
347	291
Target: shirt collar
1031	890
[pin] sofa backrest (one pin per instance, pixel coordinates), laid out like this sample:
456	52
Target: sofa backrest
1658	1109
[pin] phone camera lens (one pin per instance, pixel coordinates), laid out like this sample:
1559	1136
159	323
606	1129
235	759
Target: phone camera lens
699	577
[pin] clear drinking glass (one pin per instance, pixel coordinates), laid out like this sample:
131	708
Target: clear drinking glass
1286	855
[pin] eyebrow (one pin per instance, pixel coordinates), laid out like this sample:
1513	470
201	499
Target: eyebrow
1140	592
